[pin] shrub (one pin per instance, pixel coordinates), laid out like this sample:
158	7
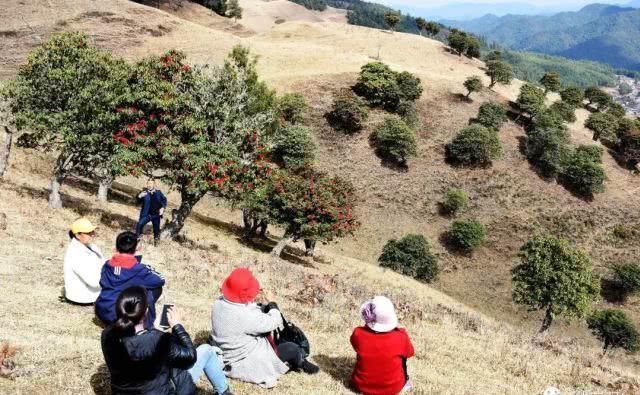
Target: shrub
383	87
473	47
572	95
499	72
627	276
473	84
625	127
458	41
548	149
614	329
293	147
617	110
466	235
598	97
551	82
410	256
474	145
395	140
603	125
630	148
291	107
555	277
592	153
565	110
582	175
548	119
408	113
624	89
349	113
531	99
492	115
455	201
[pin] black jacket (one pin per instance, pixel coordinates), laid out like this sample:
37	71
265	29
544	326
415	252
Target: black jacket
150	362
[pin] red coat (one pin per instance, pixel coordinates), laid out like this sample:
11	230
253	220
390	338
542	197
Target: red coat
379	368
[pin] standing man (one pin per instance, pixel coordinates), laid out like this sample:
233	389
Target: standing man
153	202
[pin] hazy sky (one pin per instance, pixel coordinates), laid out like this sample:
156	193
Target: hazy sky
538	3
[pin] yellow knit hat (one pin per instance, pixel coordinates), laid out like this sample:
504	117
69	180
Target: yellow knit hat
82	225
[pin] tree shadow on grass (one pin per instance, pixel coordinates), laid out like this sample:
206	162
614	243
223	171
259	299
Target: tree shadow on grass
612	292
101	381
452	248
339	368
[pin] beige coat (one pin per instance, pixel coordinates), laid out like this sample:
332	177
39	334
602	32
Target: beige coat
239	330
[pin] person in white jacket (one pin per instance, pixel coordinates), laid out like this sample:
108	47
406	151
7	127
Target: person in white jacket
83	262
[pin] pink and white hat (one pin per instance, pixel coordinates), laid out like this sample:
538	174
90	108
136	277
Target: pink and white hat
379	314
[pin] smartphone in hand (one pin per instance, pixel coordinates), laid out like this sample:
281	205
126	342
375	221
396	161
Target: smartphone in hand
164	321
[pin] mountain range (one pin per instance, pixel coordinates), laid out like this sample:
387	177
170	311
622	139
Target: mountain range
599	32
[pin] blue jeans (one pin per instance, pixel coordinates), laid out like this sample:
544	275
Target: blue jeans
209	364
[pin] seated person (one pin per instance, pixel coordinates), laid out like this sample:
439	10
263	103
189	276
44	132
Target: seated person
125	270
242	330
149	361
82	264
382	350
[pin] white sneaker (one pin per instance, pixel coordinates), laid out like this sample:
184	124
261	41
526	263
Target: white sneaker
407	386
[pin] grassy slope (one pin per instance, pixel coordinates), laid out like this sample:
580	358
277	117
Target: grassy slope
317	58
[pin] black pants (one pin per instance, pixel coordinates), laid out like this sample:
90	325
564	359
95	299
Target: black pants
155	221
291	354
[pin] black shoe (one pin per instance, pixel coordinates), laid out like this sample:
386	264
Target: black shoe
309	368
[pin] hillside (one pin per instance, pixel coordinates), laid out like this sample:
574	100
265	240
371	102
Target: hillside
318	57
598	32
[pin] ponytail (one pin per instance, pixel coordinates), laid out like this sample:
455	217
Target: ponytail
131	308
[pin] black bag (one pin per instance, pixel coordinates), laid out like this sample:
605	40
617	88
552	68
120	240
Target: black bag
293	334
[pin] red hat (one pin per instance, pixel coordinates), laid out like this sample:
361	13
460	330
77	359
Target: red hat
241	286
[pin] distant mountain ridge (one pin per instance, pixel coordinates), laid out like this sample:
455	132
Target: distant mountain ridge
600	32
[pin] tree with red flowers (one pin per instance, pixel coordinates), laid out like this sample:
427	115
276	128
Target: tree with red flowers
310	205
188	127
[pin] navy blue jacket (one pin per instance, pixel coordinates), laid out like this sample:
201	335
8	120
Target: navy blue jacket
119	273
152	203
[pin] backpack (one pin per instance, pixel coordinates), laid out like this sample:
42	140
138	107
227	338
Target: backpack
291	333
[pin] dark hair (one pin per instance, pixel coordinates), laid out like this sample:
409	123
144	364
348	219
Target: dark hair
131	307
127	242
72	235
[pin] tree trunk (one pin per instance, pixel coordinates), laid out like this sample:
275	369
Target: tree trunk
546	323
55	201
104	184
277	250
250	224
310	247
5	150
263	228
180	215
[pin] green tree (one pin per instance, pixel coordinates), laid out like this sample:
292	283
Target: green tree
491	115
603	125
493	55
583	175
395	141
234	10
499	72
473	47
551	82
474	146
291	108
191	126
614	329
530	100
386	88
629	148
591	153
548	149
410	256
466	235
421	23
565	110
66	96
458	41
392	19
617	110
598	97
555	277
627	276
473	84
349	113
625	89
432	28
455	201
311	205
572	95
293	147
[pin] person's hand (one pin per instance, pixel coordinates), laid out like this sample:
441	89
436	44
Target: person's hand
172	316
142	194
161	212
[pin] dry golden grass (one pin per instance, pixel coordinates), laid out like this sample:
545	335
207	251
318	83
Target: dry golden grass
459	351
317	54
